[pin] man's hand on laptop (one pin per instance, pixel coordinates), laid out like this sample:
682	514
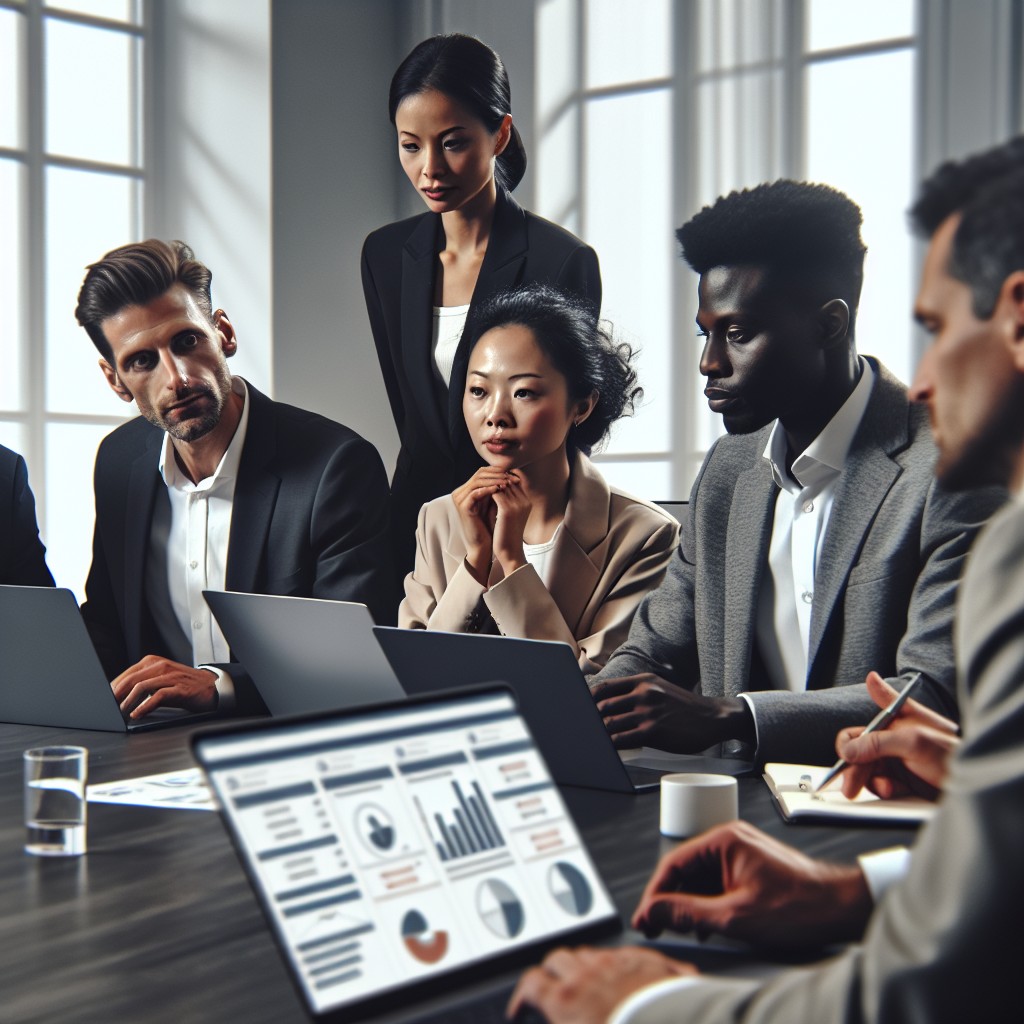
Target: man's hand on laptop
579	986
155	682
736	880
647	711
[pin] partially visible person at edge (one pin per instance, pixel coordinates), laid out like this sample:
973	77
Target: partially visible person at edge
535	543
213	487
22	555
450	104
943	944
817	545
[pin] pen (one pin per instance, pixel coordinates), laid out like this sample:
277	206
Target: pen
880	721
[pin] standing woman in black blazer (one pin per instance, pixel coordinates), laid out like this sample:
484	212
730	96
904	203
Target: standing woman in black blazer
450	103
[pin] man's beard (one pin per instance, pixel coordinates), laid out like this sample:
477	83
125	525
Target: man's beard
195	427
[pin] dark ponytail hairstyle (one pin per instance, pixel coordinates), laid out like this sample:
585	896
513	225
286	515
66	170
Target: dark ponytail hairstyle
470	72
567	330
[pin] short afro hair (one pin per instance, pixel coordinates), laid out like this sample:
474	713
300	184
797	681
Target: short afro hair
807	234
987	190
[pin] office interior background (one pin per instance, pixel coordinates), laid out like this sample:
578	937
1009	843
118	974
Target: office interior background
257	131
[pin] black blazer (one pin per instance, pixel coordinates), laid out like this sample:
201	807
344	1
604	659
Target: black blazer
399	266
309	519
22	555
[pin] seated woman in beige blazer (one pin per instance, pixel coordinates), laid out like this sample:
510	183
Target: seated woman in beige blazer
536	544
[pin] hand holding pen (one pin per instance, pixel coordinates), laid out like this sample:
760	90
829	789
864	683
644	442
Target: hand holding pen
904	750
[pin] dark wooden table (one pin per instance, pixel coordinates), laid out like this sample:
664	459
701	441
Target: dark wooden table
157	923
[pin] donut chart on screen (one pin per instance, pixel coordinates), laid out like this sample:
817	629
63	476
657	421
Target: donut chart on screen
425	945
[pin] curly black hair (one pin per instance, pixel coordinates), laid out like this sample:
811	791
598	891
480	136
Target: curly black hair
580	347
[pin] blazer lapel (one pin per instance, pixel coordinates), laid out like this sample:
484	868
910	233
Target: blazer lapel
867	476
255	496
502	268
574	574
746	555
419	256
144	484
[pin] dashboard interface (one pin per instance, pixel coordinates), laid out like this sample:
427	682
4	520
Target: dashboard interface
396	844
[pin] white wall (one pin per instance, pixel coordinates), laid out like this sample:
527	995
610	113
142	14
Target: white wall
211	157
334	181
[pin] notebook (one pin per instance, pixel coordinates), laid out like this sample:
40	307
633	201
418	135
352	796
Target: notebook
401	850
793	785
51	674
305	654
551	690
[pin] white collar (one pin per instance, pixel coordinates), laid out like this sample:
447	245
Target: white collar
227	468
824	457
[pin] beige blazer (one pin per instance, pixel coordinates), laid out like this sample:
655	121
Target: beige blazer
611	550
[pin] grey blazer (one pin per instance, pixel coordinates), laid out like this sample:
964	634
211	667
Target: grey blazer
945	944
884	594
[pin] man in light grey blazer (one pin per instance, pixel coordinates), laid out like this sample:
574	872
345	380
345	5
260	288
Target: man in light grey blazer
945	943
817	545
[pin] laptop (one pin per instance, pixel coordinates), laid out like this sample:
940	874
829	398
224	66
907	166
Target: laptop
51	673
402	851
548	684
305	654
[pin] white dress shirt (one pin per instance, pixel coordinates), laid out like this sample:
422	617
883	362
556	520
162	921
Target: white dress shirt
802	509
188	553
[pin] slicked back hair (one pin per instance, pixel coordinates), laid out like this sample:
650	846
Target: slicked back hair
803	235
471	73
987	190
135	275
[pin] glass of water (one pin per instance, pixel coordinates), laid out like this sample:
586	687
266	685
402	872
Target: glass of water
55	800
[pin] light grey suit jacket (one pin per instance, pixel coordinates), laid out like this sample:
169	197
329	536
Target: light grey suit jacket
946	943
884	592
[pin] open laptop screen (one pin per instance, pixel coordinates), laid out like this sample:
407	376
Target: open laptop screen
396	844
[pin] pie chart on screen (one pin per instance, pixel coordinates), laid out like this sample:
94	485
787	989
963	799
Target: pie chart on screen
500	909
570	889
425	945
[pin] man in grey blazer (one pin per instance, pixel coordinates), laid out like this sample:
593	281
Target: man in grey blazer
817	545
214	486
945	943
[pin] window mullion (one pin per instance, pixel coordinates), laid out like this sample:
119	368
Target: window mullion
34	294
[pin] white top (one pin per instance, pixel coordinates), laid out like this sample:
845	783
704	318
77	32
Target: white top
538	556
448	324
192	549
802	510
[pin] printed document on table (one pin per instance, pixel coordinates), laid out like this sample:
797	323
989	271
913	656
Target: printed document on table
184	789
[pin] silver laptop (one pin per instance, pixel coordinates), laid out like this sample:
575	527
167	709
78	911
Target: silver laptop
401	850
305	654
548	684
50	672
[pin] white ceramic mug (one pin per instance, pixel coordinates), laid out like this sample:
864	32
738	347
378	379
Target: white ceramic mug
694	802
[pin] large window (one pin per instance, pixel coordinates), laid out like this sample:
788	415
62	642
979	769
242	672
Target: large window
665	105
71	181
